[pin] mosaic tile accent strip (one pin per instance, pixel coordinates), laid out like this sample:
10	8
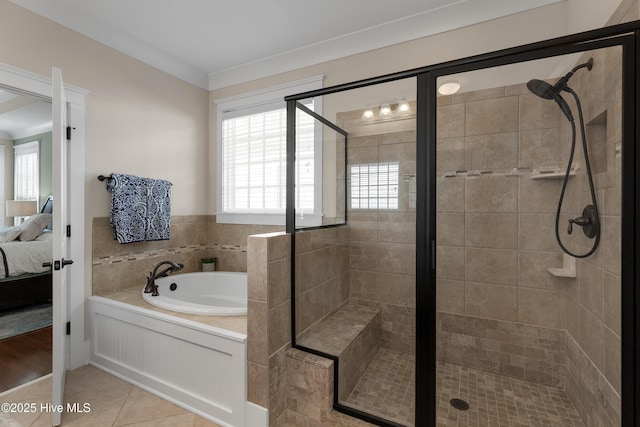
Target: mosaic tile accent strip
497	400
161	252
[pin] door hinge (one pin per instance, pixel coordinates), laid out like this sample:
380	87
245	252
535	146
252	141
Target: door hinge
68	328
68	133
69	230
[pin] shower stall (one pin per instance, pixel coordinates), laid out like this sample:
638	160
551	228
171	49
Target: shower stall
470	258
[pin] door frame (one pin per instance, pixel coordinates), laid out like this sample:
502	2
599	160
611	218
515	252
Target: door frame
40	86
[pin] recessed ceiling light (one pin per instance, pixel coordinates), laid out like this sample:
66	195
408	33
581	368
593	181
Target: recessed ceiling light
449	88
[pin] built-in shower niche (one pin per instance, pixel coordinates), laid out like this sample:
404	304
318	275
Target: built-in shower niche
597	143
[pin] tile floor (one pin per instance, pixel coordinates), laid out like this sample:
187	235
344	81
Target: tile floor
113	402
388	385
495	400
498	401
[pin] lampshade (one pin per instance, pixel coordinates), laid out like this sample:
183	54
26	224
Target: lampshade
21	207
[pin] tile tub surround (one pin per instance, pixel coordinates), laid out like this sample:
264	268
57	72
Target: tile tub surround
116	266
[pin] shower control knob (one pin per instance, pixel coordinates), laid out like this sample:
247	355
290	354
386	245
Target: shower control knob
582	221
588	221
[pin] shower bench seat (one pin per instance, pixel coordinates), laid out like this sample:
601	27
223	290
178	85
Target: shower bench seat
353	335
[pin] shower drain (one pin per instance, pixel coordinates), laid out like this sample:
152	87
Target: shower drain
459	404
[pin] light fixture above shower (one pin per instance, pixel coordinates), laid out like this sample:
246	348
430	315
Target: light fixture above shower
387	110
449	88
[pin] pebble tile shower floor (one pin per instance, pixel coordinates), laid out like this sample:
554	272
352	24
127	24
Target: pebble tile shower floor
495	400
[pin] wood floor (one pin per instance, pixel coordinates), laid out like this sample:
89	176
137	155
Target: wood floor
25	358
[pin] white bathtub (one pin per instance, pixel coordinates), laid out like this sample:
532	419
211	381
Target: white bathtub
207	293
199	367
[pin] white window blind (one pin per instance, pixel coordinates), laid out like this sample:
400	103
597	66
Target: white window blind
26	171
255	162
374	185
252	156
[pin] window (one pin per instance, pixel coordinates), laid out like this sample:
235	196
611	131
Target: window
26	171
252	156
374	185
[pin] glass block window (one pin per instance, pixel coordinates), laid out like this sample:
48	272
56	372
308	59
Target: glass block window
374	185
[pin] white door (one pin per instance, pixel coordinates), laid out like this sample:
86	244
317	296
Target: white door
60	246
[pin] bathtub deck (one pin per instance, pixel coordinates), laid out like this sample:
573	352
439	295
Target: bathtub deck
132	296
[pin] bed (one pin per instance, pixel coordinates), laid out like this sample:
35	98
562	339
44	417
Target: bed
23	279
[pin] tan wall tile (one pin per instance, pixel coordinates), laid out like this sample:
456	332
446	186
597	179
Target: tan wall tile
542	307
592	288
397	227
612	302
491	301
498	266
491	194
450	195
279	281
489	230
450	263
537	113
539	148
450	119
279	326
537	232
491	152
532	271
450	229
491	116
450	154
257	332
592	337
450	296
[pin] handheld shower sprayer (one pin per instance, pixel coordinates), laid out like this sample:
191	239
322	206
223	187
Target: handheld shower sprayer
547	91
590	219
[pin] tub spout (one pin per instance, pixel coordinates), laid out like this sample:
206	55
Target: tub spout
151	286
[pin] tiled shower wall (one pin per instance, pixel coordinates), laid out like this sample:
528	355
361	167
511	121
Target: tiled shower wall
594	300
322	277
119	266
499	308
382	241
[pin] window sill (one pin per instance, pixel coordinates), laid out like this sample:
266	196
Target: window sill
267	219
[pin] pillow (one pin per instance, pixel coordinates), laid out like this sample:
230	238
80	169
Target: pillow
9	234
33	226
46	236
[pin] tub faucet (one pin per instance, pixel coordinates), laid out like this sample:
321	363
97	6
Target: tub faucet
151	279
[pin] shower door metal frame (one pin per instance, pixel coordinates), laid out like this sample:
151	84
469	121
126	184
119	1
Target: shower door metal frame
626	35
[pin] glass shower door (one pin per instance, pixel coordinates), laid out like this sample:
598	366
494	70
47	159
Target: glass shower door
526	333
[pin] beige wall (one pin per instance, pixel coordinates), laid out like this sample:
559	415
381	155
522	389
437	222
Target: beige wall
535	25
138	120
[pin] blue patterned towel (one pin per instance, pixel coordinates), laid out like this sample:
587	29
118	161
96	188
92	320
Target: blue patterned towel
140	208
158	209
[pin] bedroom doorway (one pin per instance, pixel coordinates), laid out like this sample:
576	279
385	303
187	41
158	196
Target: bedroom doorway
25	188
75	349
